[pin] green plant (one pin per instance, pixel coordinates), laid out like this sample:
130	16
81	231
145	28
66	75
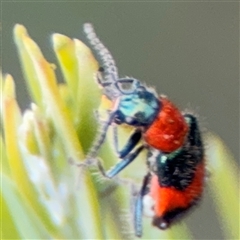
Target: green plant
43	196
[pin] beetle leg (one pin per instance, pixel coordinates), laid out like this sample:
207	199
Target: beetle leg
138	211
124	162
131	143
101	137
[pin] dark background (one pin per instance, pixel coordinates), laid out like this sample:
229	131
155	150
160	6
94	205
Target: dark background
188	50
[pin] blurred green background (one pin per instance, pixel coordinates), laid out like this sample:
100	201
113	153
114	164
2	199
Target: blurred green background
188	50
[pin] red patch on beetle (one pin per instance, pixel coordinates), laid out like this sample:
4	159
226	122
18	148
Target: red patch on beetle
168	199
168	131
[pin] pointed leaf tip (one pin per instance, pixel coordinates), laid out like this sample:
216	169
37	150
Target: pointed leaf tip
81	47
60	41
19	31
21	37
9	87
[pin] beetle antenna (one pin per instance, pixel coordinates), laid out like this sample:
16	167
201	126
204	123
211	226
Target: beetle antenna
109	65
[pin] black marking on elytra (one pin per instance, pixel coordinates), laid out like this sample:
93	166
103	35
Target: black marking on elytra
177	169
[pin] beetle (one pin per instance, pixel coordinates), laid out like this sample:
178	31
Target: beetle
175	152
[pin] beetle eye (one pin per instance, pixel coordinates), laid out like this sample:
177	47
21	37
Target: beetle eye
127	85
124	86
